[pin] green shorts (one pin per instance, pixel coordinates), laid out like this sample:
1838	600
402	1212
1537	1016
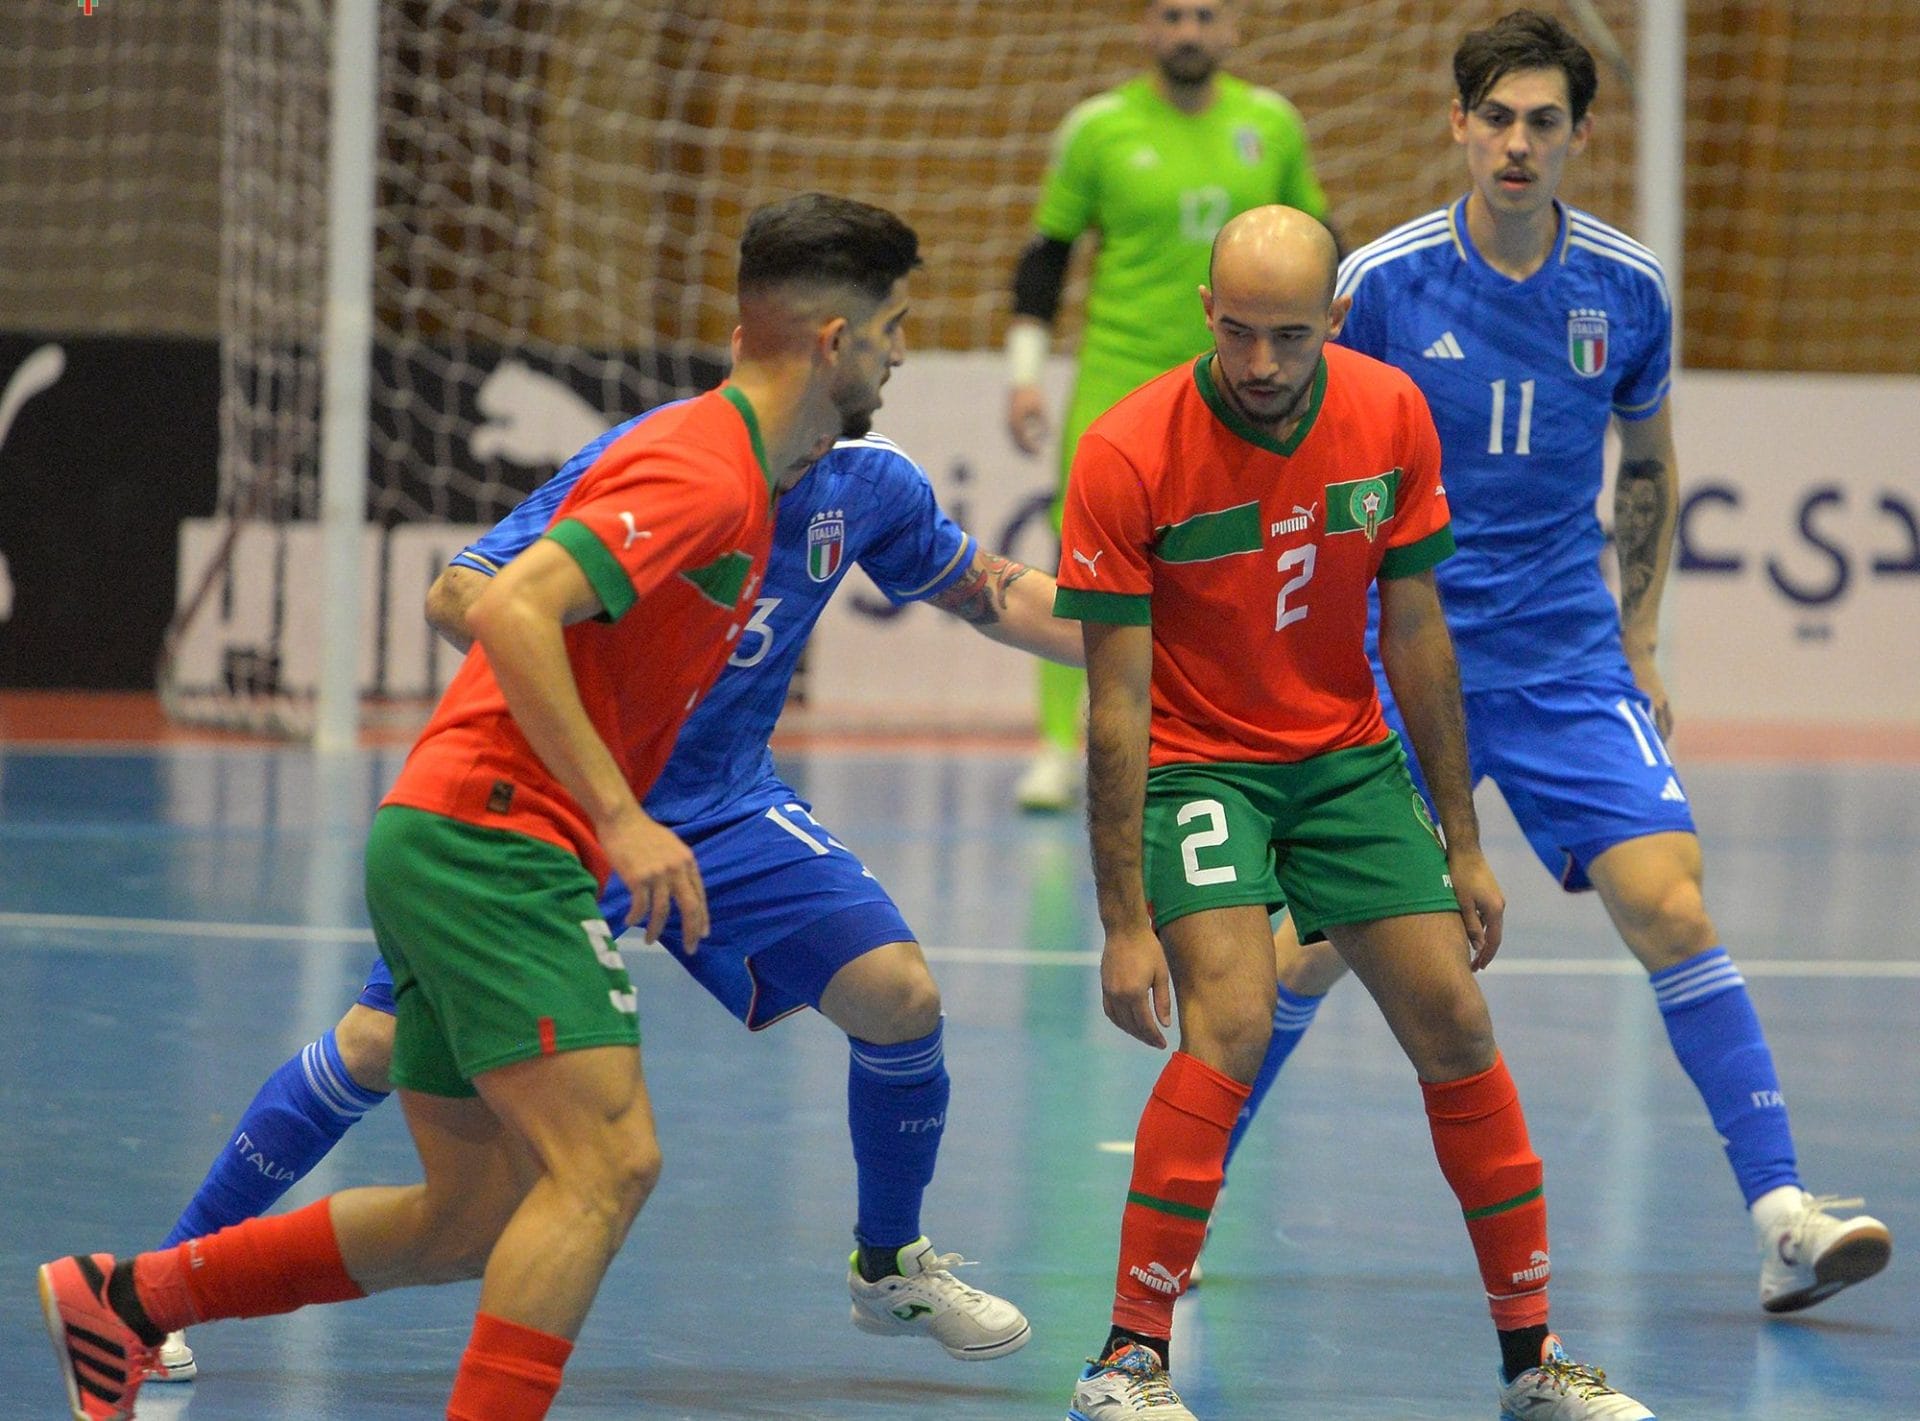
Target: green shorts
1340	838
497	947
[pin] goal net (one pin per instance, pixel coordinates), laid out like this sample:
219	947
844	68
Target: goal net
561	185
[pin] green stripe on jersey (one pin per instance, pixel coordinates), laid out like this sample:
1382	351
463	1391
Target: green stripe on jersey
1114	608
1206	536
605	575
1362	505
1435	548
721	580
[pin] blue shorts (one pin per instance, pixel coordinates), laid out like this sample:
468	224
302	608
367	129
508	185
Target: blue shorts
790	906
1579	764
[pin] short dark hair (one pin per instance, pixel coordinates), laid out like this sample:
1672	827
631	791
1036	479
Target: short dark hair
1517	42
818	240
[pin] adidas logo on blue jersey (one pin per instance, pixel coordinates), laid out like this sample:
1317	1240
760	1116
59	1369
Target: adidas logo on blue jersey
1673	791
1446	348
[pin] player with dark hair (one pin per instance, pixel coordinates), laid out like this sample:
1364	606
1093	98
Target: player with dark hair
798	920
1152	169
1224	524
516	1045
1531	326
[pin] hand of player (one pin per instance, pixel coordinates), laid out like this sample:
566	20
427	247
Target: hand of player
1483	907
1646	675
1027	418
1136	986
661	872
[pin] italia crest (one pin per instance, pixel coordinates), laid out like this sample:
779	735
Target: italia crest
1246	142
826	544
1587	341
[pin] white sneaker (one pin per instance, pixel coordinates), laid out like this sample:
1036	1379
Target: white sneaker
1051	782
1810	1255
1129	1385
925	1299
173	1362
1561	1389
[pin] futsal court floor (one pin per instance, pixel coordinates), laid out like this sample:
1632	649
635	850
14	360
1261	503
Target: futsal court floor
176	919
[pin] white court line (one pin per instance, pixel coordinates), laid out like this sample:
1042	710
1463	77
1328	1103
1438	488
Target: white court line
1512	966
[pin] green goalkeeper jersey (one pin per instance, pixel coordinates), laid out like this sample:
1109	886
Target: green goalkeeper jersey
1157	184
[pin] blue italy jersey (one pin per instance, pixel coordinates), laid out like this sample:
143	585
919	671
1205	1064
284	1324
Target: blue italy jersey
866	502
1522	377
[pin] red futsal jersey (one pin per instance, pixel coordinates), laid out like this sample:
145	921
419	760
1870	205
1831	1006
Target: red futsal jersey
1250	558
671	524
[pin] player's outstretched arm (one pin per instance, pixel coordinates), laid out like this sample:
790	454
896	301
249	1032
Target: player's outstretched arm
1417	654
1133	966
452	593
1646	507
519	618
1012	603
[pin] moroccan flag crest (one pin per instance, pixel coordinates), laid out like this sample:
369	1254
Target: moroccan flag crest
826	544
1362	505
1587	341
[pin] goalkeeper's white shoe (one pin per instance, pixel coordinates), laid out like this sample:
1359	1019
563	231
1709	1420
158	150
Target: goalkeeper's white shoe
173	1361
924	1299
1051	782
1561	1389
1807	1255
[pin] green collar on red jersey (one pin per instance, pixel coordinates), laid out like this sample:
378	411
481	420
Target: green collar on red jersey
1240	425
733	396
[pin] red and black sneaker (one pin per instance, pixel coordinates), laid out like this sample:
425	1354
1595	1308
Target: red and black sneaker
102	1360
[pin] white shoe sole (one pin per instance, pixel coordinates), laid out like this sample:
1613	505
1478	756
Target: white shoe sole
1852	1260
984	1352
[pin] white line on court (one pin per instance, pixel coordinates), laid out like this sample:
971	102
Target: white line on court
16	930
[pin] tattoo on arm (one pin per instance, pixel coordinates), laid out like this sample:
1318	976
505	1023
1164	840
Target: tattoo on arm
1639	525
980	596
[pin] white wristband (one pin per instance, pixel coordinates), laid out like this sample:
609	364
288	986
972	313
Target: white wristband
1028	345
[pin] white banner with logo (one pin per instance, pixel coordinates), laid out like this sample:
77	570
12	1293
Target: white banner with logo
1796	587
1795	596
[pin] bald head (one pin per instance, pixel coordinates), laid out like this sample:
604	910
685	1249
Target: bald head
1274	252
1271	307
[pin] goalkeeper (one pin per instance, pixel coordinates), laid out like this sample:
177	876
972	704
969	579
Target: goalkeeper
1155	167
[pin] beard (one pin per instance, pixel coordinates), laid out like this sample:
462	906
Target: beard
856	424
1295	404
1188	66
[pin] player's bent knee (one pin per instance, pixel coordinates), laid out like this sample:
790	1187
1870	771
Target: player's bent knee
885	996
1311	971
1227	1031
365	1041
1454	1039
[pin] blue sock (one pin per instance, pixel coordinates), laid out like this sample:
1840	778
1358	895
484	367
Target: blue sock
1291	1017
299	1114
896	1112
1717	1037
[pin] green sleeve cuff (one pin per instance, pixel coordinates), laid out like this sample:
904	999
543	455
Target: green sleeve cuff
1118	608
608	579
1414	558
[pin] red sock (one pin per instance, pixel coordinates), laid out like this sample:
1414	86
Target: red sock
253	1269
1179	1155
1480	1139
509	1372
